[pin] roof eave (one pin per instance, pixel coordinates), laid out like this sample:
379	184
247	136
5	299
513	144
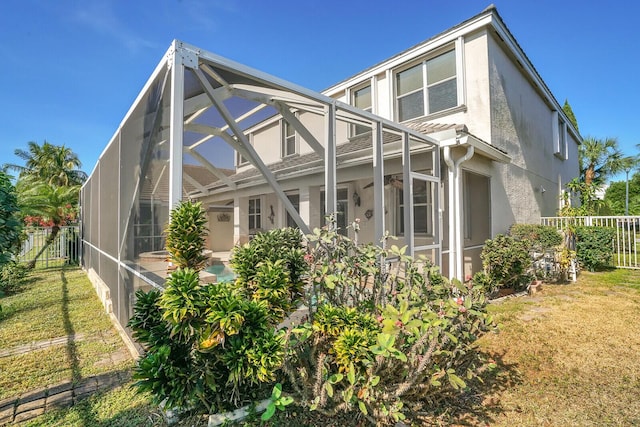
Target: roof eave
480	147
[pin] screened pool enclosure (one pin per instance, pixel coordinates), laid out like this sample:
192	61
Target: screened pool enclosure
260	153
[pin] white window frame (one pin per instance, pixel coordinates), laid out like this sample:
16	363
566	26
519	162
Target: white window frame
431	215
286	214
240	160
352	92
255	215
560	136
284	139
346	215
425	86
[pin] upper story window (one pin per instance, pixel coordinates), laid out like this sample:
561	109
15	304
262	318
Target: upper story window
560	148
240	160
361	98
289	143
427	87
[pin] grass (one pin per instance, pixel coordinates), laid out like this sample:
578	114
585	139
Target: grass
571	356
567	356
55	303
121	407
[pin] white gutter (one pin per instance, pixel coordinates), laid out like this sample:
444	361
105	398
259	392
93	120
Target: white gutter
456	236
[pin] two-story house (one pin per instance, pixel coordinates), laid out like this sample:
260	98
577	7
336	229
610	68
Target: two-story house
506	149
443	146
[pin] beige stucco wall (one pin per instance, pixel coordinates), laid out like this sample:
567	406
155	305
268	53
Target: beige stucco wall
220	232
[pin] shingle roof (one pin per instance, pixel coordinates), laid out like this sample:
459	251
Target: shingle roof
156	183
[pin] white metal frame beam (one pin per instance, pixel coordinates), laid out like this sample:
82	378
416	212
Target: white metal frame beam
330	184
251	155
210	167
177	126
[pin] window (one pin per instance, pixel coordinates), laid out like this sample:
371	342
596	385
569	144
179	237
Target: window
295	201
560	136
342	207
288	139
255	214
422	208
240	160
361	98
414	98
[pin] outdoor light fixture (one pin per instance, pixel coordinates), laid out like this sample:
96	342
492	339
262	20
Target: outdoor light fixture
271	215
356	198
368	214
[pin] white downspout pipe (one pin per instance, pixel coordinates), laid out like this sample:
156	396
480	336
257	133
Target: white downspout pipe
456	236
451	172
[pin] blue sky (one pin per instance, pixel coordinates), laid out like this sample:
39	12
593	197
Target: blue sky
71	69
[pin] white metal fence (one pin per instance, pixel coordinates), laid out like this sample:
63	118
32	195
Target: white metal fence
64	249
626	243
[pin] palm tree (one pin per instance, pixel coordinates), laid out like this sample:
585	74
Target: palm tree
55	164
599	159
50	202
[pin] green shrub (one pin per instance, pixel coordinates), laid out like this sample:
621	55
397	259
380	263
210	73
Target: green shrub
594	247
215	347
186	235
386	339
13	276
10	224
271	268
541	237
506	260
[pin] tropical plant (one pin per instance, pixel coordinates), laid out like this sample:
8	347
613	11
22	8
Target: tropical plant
277	401
590	203
214	346
271	268
186	234
53	164
389	339
10	224
599	159
51	203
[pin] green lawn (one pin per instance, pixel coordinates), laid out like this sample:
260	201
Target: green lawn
56	303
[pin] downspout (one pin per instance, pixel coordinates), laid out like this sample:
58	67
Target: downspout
451	172
456	238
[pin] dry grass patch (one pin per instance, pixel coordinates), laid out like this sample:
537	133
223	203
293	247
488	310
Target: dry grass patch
575	354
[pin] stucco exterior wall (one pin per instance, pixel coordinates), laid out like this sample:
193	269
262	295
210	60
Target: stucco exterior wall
522	125
477	116
220	230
